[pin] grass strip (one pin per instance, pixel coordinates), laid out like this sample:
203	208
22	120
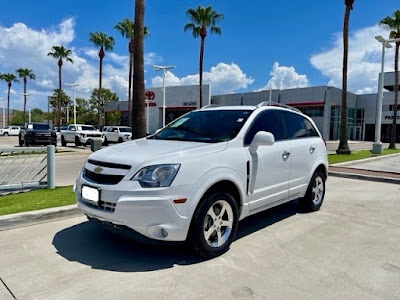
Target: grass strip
34	200
357	155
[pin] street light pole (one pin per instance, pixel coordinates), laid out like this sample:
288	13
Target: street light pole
163	68
29	99
377	147
74	85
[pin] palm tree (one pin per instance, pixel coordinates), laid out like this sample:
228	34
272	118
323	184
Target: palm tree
105	42
60	53
343	145
9	78
125	27
393	24
25	74
202	18
138	115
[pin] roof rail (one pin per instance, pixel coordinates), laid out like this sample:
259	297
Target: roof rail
210	105
267	103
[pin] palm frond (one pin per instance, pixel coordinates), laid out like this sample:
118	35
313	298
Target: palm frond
216	30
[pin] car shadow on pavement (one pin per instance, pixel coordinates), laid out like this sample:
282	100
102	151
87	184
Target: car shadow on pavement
90	245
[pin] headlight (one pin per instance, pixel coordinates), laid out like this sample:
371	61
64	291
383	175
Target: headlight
157	175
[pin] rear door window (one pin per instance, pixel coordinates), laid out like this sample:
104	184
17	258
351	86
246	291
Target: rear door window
294	124
311	131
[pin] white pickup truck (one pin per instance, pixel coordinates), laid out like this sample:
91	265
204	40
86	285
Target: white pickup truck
117	134
80	135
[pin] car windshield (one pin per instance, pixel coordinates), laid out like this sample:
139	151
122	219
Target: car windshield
87	128
40	126
209	126
125	130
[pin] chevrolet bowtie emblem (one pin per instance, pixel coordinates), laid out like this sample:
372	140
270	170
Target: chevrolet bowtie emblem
98	170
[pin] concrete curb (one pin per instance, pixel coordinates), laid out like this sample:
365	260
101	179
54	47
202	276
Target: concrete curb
365	177
356	162
38	216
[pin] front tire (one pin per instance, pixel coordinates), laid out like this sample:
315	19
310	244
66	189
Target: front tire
105	142
214	225
20	142
63	142
315	194
5	133
77	141
120	140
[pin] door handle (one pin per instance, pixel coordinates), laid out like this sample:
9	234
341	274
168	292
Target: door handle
285	155
312	149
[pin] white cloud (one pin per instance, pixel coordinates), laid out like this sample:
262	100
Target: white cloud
152	58
223	78
283	77
24	47
364	60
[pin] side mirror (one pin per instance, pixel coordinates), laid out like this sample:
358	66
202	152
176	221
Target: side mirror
262	138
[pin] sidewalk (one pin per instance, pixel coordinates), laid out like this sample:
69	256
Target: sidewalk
383	168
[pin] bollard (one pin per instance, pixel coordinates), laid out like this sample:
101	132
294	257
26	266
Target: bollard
51	167
95	144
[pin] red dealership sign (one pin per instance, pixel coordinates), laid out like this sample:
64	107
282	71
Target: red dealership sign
149	95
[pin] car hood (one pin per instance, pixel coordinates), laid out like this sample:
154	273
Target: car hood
142	150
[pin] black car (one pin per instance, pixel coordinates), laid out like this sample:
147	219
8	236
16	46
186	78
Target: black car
37	134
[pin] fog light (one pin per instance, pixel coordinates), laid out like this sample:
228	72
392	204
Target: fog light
164	232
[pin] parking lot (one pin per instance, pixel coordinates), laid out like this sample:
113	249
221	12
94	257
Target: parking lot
347	250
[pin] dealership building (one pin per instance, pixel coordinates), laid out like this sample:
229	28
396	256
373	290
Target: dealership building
321	103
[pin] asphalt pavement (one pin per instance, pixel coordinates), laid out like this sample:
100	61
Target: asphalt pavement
347	250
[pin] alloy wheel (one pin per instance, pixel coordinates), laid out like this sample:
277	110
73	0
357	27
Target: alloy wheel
218	223
318	190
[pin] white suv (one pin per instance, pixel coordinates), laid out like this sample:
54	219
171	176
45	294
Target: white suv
10	130
117	134
196	178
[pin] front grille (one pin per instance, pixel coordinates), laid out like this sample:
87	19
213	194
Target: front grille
93	135
102	178
103	205
108	164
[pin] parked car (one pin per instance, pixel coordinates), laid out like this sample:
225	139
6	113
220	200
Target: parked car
58	132
196	178
117	134
10	130
80	135
37	134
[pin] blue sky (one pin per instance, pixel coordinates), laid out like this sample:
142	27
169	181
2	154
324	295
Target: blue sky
264	44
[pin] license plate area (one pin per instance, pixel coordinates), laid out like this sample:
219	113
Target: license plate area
90	194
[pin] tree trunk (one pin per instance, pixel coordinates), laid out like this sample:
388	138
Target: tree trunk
396	98
343	145
130	83
201	71
138	112
58	118
101	56
8	104
24	100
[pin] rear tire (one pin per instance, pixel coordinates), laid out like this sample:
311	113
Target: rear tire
214	225
26	143
5	133
63	142
77	141
314	196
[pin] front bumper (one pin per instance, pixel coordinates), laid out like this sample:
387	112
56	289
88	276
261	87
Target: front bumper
150	214
86	140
